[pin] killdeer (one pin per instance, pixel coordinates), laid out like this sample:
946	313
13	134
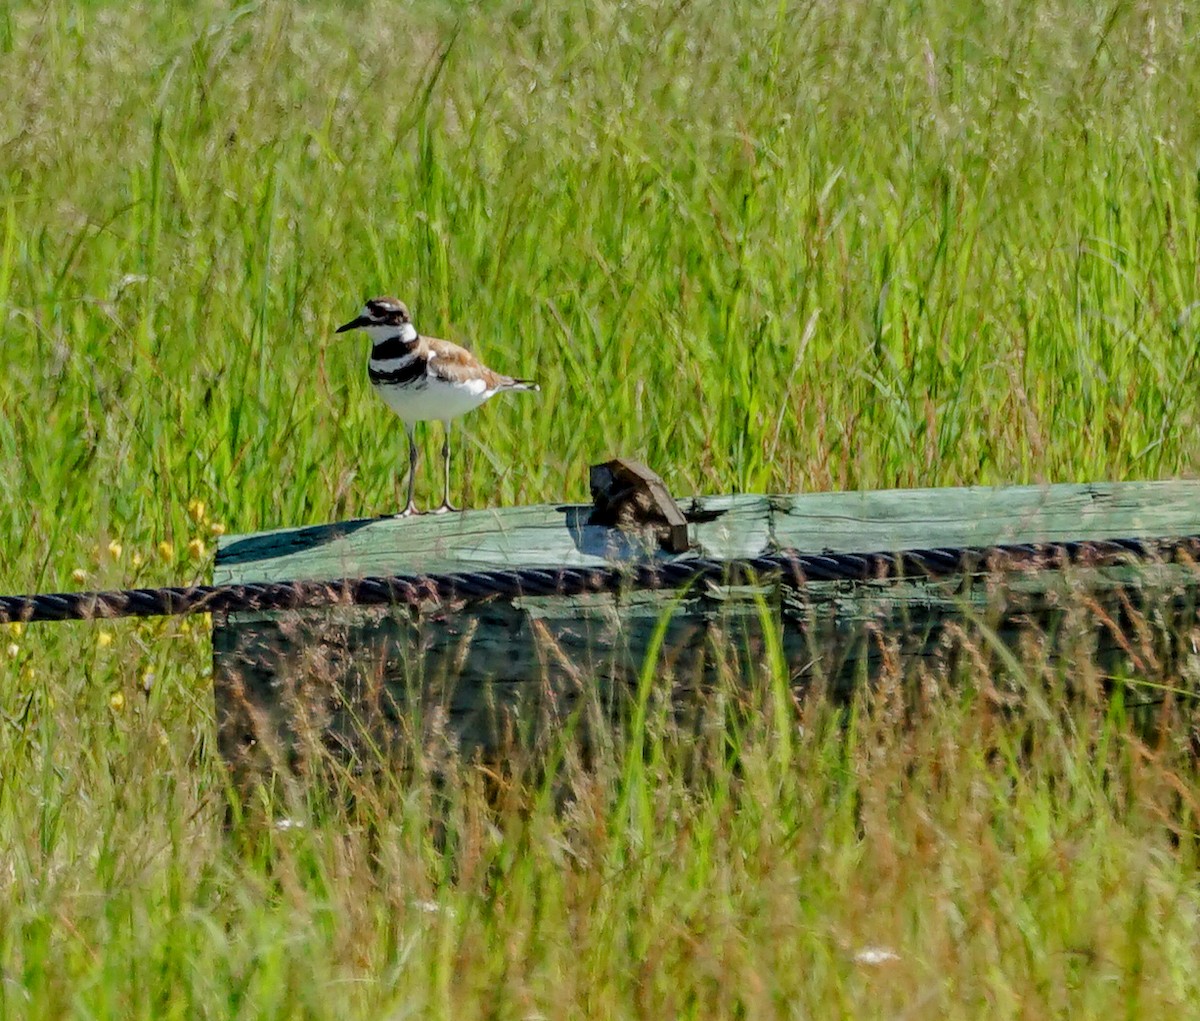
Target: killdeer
422	379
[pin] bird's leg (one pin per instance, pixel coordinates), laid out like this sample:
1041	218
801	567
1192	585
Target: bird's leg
410	508
446	505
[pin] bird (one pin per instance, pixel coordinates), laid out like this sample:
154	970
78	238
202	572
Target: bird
423	379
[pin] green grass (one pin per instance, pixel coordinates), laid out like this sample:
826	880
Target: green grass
759	246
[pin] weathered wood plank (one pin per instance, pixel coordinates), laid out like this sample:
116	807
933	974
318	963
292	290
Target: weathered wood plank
520	536
357	678
724	526
978	516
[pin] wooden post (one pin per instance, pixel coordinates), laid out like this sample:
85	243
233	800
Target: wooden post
479	677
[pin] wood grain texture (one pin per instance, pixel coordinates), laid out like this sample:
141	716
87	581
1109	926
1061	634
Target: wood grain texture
719	526
478	678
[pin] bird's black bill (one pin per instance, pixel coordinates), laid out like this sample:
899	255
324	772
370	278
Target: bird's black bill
354	324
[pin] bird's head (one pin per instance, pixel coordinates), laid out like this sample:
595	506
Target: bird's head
382	319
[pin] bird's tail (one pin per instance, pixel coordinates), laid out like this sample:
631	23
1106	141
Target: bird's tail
520	384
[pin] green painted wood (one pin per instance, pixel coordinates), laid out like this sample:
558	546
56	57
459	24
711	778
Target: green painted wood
721	526
476	678
907	519
517	536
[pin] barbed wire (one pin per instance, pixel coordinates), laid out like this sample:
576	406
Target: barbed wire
789	567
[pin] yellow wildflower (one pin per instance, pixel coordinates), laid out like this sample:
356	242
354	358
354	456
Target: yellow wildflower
166	551
116	701
16	629
196	511
216	529
196	549
115	549
104	639
13	650
79	576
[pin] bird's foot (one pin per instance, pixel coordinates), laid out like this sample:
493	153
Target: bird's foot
409	512
444	508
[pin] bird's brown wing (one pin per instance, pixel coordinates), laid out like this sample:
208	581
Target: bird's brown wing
456	364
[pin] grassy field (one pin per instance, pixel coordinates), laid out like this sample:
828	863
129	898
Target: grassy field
821	245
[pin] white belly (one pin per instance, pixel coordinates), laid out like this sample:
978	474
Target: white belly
434	400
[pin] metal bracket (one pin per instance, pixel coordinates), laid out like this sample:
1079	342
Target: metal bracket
628	495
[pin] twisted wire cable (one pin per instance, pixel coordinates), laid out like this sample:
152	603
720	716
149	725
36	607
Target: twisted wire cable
788	567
